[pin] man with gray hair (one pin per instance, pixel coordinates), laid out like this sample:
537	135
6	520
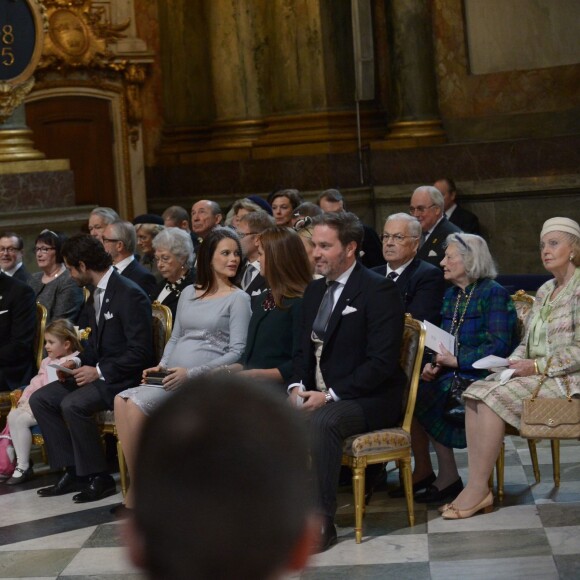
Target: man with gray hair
427	205
99	219
205	216
421	284
119	239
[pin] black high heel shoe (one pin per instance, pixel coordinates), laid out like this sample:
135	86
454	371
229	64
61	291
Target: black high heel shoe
422	484
434	495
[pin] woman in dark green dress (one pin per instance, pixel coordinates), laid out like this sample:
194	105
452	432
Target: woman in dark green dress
273	331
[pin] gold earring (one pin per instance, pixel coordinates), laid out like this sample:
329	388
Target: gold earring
571	257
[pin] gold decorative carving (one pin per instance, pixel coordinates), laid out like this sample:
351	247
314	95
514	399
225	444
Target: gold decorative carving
78	40
13	91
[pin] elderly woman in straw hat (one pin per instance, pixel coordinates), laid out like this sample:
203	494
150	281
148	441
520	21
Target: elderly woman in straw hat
551	346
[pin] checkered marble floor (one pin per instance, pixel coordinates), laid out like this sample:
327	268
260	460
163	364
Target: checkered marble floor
533	533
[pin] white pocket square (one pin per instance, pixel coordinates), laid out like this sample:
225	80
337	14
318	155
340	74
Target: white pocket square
256	292
3	311
432	253
108	316
348	310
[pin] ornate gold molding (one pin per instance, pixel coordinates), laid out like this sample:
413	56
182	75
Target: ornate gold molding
78	40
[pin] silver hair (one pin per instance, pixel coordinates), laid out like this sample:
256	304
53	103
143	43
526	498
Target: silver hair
475	254
125	232
177	242
435	195
108	214
413	225
575	243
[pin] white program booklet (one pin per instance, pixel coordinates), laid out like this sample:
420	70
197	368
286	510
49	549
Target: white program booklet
490	362
435	336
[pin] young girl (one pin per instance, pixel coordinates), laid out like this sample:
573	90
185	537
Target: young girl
61	343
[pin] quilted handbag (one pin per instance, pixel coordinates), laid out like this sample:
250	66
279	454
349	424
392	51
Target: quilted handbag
551	418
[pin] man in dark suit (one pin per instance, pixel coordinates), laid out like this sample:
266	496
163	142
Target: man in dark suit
456	214
331	200
250	226
421	284
353	384
120	241
11	248
119	347
427	206
17	329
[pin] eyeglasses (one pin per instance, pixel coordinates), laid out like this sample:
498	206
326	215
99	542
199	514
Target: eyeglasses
397	238
242	235
420	208
111	240
42	249
9	250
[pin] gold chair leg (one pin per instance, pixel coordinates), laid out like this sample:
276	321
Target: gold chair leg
122	468
534	455
405	468
500	467
555	444
358	486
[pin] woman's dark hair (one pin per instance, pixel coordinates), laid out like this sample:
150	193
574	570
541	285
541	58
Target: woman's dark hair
287	269
205	279
292	194
84	248
54	240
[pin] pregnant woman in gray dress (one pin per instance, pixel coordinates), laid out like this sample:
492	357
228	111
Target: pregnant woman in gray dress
209	332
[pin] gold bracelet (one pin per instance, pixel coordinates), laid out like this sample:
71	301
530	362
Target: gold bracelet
536	369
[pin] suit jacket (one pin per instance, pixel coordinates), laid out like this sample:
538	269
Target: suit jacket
22	274
273	336
122	343
422	287
17	330
433	249
142	277
465	220
372	248
360	358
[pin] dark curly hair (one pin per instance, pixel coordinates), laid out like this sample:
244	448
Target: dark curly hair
84	248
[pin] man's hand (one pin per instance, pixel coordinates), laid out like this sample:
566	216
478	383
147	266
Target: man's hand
85	375
312	400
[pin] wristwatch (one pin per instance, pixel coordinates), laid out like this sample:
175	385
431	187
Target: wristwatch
328	398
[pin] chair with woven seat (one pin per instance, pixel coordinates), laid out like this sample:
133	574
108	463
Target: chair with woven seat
162	326
392	444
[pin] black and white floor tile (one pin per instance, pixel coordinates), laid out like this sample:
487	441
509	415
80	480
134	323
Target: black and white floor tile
533	533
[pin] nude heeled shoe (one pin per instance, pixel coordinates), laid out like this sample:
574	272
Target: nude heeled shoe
485	506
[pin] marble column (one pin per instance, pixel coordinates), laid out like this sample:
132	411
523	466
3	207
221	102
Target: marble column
413	104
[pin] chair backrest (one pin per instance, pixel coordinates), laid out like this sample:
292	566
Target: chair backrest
41	315
411	359
523	303
162	327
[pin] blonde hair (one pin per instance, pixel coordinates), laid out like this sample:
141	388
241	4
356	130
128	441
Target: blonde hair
64	329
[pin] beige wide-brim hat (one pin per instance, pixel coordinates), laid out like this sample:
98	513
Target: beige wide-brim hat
560	224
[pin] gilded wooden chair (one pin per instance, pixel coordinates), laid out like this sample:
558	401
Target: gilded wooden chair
162	326
523	303
393	444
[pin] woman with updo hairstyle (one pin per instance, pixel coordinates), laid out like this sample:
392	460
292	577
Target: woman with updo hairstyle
174	256
53	286
283	203
274	331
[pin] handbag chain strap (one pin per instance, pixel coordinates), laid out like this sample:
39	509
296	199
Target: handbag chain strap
543	378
